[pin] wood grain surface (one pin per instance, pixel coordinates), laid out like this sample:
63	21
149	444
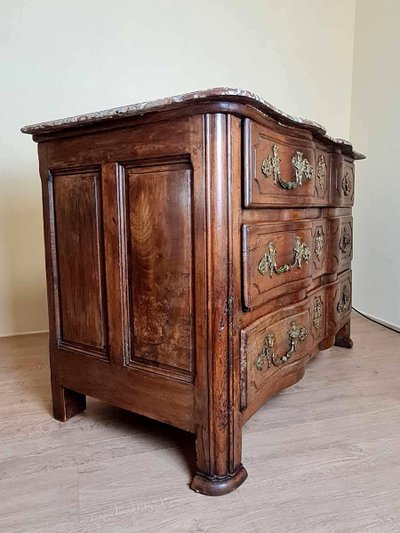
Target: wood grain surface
145	217
322	456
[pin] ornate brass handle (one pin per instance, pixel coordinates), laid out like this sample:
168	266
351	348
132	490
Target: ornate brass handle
345	300
271	166
267	356
268	261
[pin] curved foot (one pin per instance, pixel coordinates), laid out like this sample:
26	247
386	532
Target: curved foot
218	485
344	342
342	337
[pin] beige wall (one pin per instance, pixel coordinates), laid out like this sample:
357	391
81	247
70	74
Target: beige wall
375	123
66	57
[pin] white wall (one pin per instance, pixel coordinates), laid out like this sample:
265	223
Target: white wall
61	57
375	121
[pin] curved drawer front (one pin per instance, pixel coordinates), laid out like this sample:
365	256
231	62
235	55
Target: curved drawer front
341	231
281	170
339	294
270	348
343	298
342	187
276	260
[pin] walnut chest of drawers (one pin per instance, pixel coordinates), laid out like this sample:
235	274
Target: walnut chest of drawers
198	254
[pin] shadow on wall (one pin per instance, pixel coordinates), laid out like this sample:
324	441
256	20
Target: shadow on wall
23	305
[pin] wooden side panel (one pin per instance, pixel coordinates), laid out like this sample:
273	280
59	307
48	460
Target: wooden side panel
167	400
80	259
159	212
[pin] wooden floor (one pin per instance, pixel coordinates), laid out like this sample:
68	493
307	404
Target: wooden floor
322	456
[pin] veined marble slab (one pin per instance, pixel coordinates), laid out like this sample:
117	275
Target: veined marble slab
210	95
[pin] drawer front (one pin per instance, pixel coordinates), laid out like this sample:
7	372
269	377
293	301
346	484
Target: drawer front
342	306
272	347
340	293
280	170
341	231
276	260
342	186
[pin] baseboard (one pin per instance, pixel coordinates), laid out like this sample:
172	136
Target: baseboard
24	333
378	320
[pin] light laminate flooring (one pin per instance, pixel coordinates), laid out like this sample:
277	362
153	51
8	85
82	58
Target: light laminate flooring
322	456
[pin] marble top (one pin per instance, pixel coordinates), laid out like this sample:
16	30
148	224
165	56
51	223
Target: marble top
171	102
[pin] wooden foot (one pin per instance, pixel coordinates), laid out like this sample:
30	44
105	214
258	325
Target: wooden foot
67	403
219	469
342	337
218	485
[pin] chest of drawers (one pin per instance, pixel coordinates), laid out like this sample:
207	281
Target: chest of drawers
198	254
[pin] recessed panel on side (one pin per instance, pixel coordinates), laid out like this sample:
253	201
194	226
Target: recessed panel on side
159	213
79	258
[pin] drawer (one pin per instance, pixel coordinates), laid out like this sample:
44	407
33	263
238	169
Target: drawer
276	260
271	348
341	231
342	305
342	186
340	293
280	170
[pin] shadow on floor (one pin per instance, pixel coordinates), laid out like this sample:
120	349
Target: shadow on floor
26	359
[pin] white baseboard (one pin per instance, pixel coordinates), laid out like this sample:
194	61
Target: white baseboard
379	320
24	333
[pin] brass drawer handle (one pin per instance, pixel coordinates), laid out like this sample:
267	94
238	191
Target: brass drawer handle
267	356
271	166
268	261
345	300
